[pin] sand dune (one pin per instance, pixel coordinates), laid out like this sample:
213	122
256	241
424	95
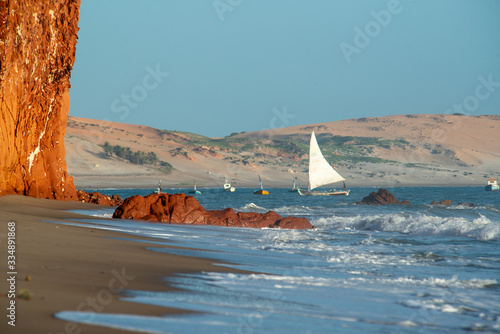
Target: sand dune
473	138
435	150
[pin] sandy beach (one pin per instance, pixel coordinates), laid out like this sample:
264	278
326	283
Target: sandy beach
73	268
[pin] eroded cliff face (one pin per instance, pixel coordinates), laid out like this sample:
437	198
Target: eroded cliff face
37	52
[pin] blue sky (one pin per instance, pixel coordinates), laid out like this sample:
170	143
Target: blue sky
215	67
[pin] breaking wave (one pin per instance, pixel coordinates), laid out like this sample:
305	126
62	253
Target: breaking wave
252	207
420	224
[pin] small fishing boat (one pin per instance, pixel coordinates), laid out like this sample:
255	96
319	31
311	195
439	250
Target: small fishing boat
492	185
261	191
227	187
321	173
158	191
195	191
294	188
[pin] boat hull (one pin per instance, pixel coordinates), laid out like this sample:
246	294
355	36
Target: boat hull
261	192
491	187
324	193
227	188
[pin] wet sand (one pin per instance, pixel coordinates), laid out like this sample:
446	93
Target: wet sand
76	268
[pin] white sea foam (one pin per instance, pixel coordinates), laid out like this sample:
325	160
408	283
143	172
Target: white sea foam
300	210
453	305
347	266
356	258
288	281
252	207
420	224
103	213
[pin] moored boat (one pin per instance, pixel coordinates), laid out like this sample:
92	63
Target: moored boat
261	191
158	190
195	191
333	192
227	187
294	188
492	185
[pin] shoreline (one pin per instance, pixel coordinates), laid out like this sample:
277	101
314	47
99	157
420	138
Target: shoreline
201	186
78	268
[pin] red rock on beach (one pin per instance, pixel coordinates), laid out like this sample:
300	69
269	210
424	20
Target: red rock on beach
183	209
98	198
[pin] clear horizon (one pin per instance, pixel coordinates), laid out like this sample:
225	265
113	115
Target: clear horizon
217	67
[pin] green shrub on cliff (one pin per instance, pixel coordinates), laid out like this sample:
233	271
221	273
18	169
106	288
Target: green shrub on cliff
136	157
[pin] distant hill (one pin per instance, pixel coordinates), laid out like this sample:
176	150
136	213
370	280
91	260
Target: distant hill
380	151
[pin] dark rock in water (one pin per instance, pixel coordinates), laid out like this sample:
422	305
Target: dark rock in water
445	202
183	209
381	197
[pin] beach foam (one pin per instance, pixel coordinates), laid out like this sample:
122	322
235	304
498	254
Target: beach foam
418	224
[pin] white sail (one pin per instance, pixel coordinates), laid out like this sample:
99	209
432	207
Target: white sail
320	171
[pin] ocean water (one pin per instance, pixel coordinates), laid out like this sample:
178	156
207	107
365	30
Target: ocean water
363	269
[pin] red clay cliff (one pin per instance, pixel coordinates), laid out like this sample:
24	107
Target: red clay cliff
183	209
37	52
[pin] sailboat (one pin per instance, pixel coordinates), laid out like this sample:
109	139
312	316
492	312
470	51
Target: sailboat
294	188
321	173
158	191
261	191
195	191
227	187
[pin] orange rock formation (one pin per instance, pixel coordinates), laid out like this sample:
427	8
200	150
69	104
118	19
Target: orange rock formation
37	52
183	209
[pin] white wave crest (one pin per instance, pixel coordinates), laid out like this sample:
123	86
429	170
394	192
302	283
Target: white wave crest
252	207
102	213
454	282
480	228
300	210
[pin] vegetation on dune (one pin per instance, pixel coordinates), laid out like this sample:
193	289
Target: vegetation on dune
192	139
357	149
136	157
336	148
281	151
